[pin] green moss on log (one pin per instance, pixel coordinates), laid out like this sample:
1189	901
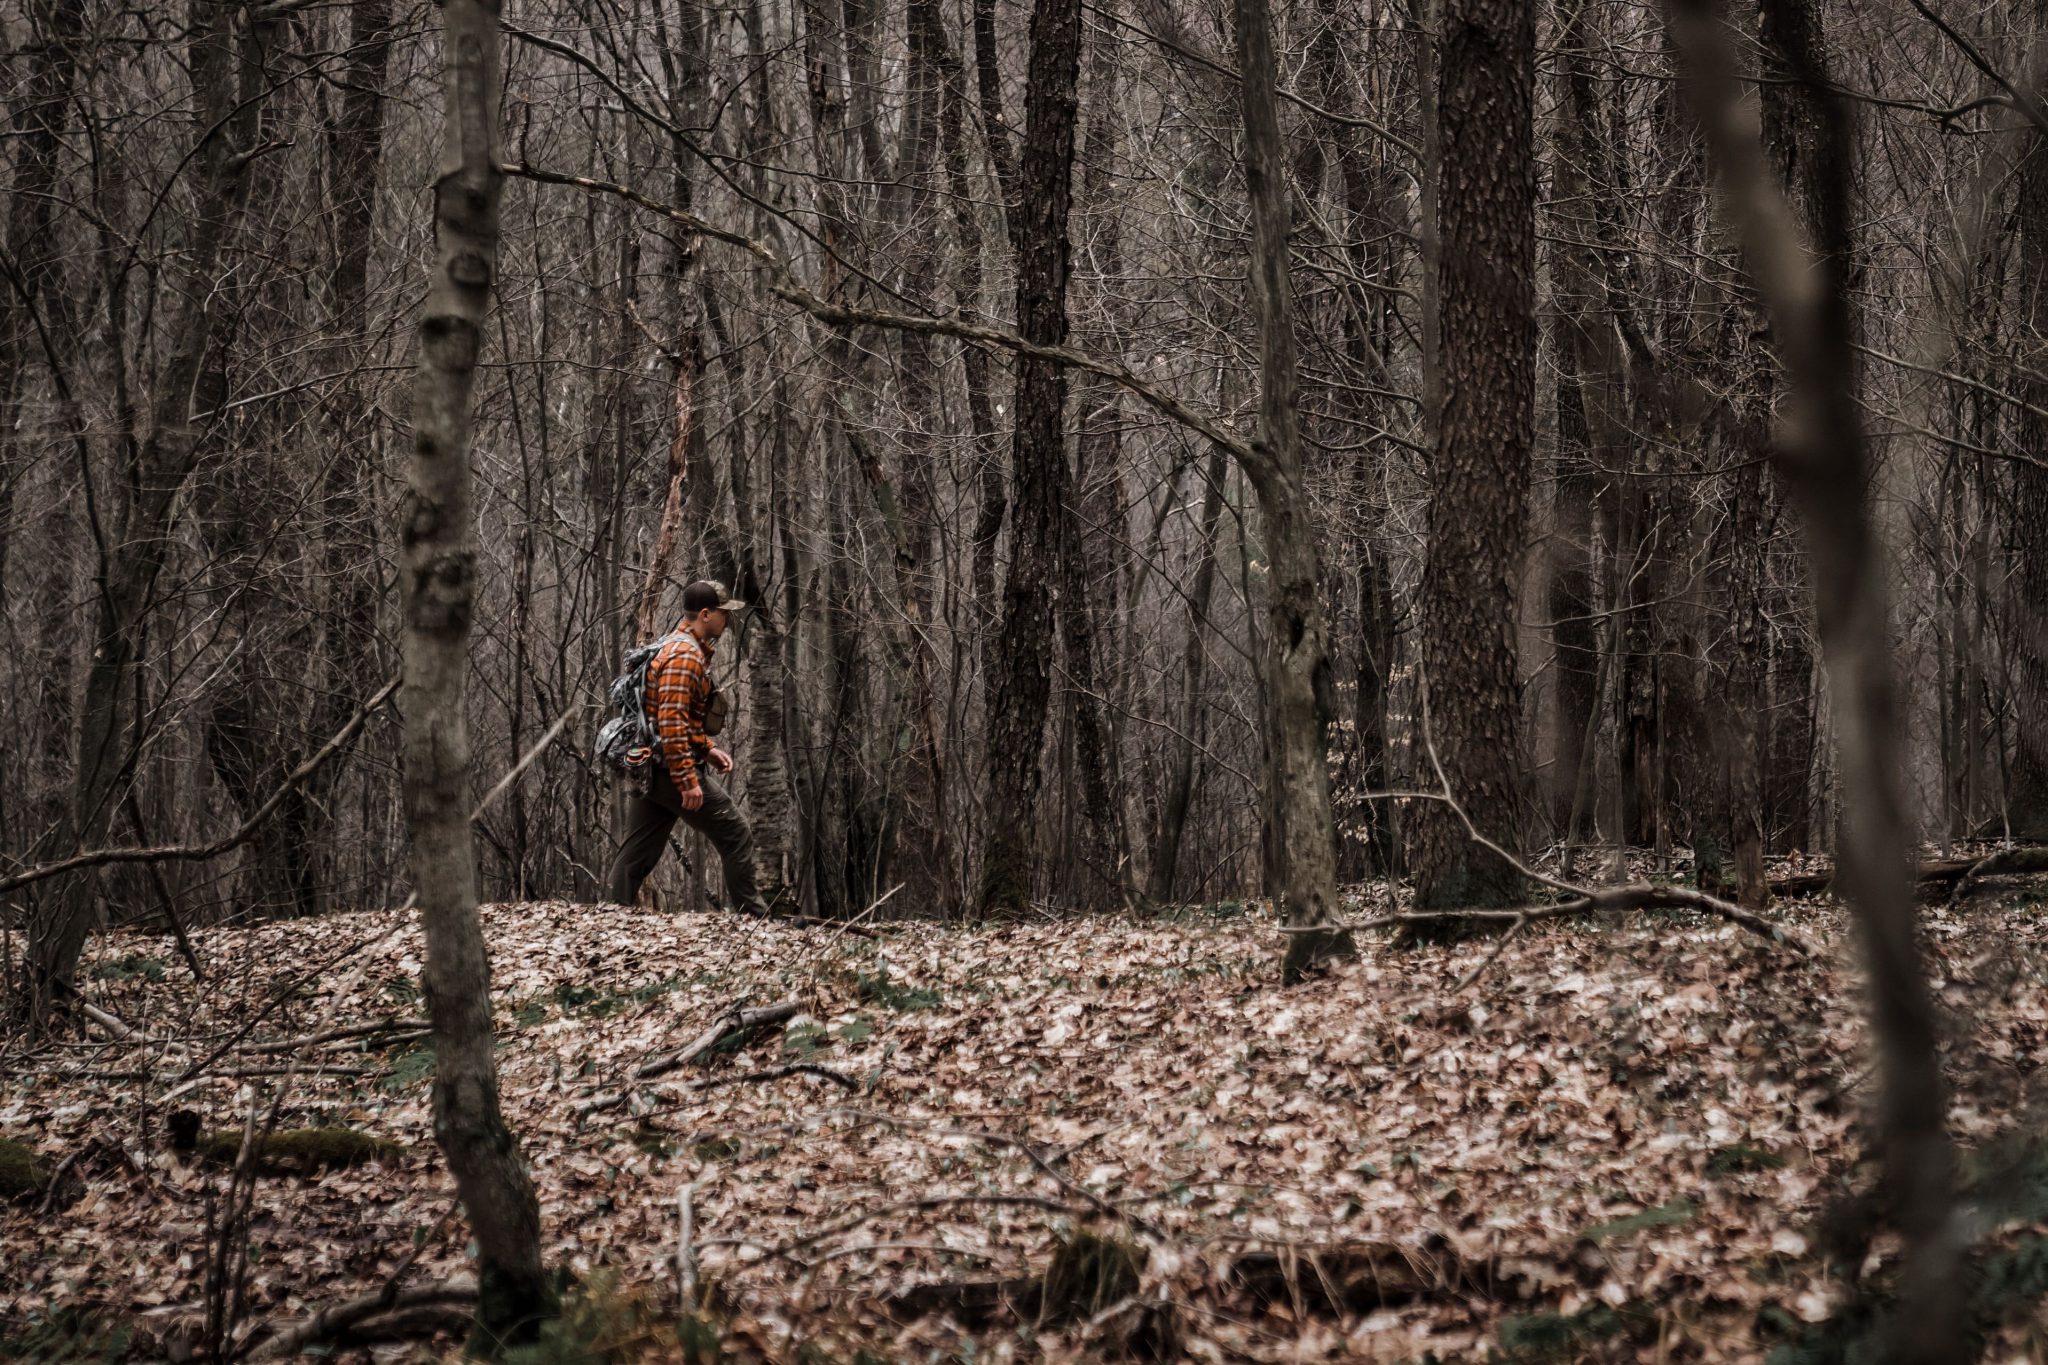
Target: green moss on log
22	1172
300	1149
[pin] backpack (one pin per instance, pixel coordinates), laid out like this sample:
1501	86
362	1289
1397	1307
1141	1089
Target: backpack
627	742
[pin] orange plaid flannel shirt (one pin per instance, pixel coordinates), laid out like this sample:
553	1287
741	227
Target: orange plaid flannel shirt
678	690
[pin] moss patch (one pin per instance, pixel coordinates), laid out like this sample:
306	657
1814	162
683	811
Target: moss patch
22	1172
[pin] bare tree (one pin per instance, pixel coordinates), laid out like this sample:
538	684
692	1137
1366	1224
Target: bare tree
1022	682
437	583
1297	663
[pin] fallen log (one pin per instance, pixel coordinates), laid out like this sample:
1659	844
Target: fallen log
1934	875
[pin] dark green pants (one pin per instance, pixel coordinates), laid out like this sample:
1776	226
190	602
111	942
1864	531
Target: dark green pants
650	818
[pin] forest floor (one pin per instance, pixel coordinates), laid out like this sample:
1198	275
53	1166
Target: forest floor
1634	1140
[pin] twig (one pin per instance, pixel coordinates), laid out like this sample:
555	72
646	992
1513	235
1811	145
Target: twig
739	1021
1031	1153
731	1023
337	1035
293	988
1499	945
49	1199
1611	900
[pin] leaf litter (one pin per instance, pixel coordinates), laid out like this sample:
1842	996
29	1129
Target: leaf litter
1621	1138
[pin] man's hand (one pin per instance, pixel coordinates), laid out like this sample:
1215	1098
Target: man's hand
693	796
721	760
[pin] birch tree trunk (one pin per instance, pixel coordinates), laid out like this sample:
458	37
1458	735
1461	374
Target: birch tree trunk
437	587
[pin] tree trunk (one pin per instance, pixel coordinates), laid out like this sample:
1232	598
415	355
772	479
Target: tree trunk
1297	659
2027	641
1822	457
1180	763
437	587
1478	510
1038	456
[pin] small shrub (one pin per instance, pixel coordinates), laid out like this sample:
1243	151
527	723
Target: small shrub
1087	1274
67	1336
878	989
128	967
409	1068
1677	1211
1738	1157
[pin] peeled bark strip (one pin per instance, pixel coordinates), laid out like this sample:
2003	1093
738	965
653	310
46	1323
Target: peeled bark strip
1485	277
1821	455
437	585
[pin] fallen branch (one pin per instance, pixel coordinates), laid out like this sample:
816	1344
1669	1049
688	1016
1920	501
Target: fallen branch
1932	875
1612	900
940	1201
398	1026
1584	900
2004	863
738	1023
1046	1165
349	1313
776	1073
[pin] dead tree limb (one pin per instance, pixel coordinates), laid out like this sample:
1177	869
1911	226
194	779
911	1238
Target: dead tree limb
736	1023
1583	900
776	1073
733	1024
1608	900
338	1318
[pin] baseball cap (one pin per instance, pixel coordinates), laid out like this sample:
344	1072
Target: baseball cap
709	592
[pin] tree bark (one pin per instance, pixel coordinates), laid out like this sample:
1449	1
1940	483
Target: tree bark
437	586
1038	457
2027	635
1485	289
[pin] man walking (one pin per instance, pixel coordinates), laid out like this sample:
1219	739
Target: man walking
685	783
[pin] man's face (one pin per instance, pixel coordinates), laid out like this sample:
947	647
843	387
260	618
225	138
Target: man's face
714	622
